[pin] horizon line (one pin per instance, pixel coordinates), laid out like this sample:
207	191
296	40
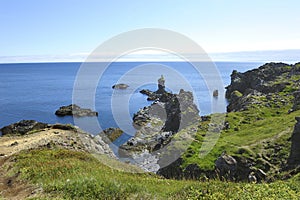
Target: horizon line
288	55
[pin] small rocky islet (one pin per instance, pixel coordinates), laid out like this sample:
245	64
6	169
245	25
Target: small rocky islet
76	111
271	91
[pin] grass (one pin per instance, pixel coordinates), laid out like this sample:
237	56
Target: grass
249	131
65	174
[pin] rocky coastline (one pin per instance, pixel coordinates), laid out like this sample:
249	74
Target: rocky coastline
273	87
259	95
158	123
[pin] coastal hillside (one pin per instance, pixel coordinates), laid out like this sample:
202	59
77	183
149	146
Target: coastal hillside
256	155
257	131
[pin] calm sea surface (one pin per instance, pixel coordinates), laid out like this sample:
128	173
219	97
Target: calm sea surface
35	91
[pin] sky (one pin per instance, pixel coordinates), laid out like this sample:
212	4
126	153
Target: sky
69	30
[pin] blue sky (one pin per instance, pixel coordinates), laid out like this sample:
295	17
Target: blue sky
56	29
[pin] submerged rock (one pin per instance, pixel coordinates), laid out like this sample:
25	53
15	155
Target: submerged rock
215	93
75	110
23	127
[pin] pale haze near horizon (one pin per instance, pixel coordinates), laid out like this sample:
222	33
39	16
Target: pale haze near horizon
65	30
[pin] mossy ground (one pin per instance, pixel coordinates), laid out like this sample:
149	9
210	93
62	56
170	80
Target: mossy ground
66	174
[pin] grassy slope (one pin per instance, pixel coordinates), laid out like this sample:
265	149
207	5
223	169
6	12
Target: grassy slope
249	134
65	174
261	133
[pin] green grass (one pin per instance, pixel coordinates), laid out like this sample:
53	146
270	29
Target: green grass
248	129
65	174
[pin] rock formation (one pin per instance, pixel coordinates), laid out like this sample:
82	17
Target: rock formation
111	134
226	166
247	89
36	135
75	110
156	124
22	127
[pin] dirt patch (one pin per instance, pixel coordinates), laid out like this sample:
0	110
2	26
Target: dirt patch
13	188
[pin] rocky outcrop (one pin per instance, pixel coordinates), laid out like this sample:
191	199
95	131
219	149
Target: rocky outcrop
158	123
121	86
251	87
160	93
226	166
111	134
294	158
75	110
49	136
22	127
232	168
258	79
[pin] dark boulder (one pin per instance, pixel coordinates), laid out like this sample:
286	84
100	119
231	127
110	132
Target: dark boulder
226	166
75	110
172	171
23	127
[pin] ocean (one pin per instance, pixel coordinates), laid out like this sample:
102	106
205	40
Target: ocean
36	90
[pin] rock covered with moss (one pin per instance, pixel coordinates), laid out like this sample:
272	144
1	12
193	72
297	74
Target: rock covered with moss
254	86
75	110
23	127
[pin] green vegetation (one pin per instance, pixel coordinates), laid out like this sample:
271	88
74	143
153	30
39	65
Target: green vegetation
251	134
65	174
260	133
254	133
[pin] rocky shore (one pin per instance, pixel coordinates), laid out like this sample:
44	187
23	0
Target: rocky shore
249	148
158	123
271	91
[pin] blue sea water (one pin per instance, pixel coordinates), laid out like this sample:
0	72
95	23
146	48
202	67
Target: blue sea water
36	90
